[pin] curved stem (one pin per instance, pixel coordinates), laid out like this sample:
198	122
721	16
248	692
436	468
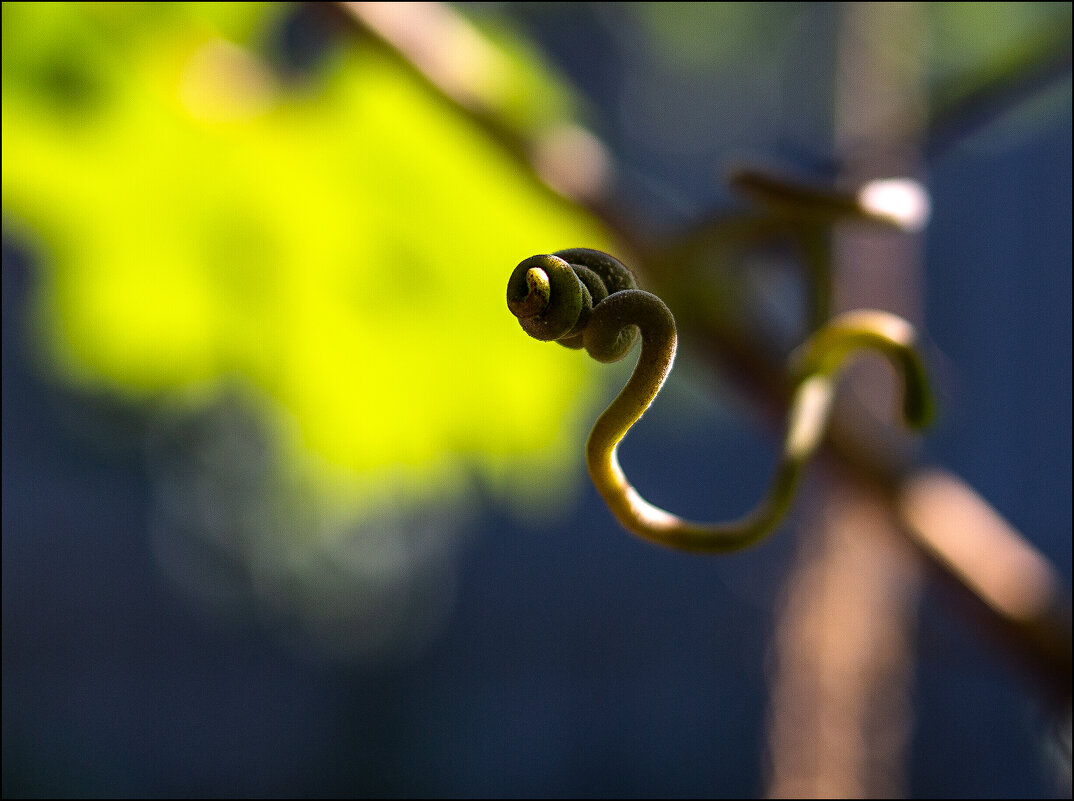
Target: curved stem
822	358
828	349
586	298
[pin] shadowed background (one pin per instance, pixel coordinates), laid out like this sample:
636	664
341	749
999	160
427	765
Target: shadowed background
292	506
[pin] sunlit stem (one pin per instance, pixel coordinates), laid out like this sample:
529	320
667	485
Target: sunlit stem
810	211
901	203
820	360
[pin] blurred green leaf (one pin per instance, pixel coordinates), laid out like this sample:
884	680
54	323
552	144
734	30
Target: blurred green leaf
342	247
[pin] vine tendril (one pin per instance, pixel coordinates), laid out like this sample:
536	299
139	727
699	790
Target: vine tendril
586	298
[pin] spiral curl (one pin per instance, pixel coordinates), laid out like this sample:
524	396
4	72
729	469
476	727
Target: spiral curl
586	298
555	296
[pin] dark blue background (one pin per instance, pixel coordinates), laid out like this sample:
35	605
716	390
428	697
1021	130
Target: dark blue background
579	661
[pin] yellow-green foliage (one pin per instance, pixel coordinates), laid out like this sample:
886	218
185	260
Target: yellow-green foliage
337	245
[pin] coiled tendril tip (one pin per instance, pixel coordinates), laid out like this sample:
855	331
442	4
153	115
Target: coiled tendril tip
586	298
532	298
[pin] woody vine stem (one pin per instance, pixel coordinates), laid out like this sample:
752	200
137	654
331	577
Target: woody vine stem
585	298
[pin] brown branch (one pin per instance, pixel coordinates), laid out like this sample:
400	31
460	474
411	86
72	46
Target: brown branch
454	59
935	508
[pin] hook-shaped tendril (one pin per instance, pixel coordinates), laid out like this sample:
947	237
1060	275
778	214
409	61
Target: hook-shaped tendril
586	298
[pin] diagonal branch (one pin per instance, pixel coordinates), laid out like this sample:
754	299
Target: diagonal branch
936	509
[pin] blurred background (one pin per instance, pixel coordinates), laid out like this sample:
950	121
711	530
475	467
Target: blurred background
291	506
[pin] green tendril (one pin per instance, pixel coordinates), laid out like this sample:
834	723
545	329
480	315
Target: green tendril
586	298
